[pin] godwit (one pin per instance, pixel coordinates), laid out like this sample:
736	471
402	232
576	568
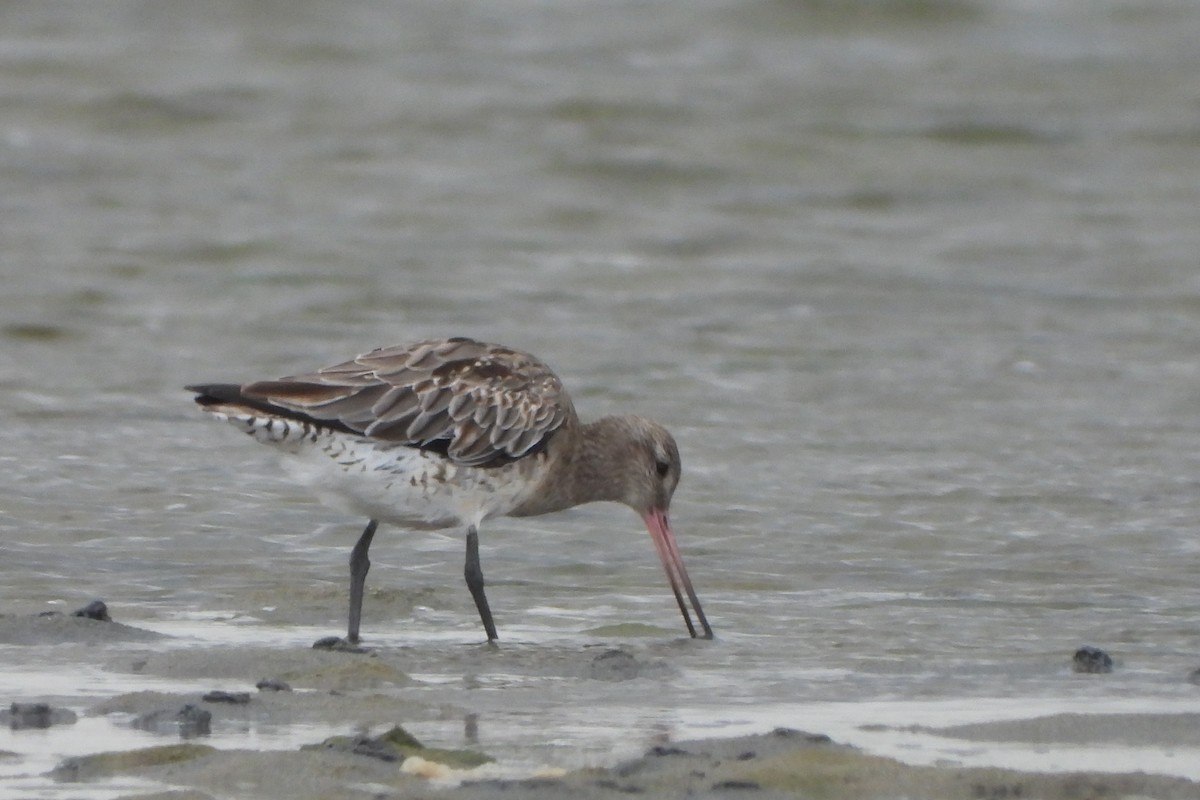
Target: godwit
451	432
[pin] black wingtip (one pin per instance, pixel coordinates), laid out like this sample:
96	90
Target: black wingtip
208	394
231	394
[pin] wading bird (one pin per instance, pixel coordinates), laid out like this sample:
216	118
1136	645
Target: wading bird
450	432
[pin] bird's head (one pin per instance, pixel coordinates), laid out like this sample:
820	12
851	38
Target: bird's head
650	473
652	469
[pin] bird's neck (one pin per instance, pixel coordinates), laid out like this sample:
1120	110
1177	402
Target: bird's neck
588	465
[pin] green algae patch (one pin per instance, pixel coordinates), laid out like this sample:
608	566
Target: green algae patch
822	773
408	745
35	332
455	759
398	744
349	676
401	739
842	773
81	768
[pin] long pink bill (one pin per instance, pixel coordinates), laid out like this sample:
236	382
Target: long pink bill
672	561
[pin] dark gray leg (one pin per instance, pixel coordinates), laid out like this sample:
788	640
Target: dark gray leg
359	564
474	575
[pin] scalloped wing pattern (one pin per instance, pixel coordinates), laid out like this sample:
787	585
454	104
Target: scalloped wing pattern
485	404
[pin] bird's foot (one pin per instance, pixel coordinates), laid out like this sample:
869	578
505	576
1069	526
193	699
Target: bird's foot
339	644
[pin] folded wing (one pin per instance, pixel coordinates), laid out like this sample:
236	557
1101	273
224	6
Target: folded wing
479	404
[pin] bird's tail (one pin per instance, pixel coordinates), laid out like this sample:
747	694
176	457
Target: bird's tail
266	422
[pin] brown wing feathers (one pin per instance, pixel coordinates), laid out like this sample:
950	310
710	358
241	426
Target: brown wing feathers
479	404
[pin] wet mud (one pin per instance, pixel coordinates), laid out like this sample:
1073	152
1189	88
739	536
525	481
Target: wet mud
374	755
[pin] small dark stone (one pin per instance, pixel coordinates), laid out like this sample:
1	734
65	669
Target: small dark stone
234	698
96	610
194	716
273	685
614	786
375	747
338	645
735	785
19	716
746	756
810	738
662	750
1092	660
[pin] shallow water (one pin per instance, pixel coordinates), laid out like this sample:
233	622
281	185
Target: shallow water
914	284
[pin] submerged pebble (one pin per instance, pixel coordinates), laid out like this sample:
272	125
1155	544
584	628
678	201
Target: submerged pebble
189	721
273	685
661	751
374	748
233	698
1093	660
735	784
614	665
20	716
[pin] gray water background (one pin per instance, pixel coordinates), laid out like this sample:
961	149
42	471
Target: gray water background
916	285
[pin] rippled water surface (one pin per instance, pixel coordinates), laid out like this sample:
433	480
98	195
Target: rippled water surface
916	285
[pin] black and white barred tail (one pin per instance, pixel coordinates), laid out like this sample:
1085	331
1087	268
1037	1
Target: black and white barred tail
265	423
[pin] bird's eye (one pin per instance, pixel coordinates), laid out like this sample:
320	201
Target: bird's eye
662	467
